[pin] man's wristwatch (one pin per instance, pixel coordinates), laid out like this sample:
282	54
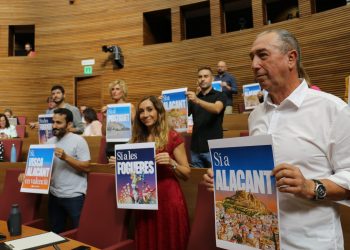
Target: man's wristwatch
320	190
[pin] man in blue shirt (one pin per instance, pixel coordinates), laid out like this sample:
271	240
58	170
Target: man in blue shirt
228	83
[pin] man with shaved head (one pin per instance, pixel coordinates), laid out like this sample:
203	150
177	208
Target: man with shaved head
228	84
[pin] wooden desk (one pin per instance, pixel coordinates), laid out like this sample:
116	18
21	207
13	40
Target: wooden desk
30	231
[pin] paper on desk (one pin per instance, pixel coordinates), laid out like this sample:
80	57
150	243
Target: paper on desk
33	242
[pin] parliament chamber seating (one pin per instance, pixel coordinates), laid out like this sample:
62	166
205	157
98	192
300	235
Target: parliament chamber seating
28	203
102	157
21	131
244	133
21	120
100	116
101	224
202	234
7	148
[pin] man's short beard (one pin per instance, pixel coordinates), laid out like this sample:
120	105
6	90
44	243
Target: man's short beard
59	102
60	132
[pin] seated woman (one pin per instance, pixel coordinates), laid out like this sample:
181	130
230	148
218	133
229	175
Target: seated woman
8	113
167	227
93	125
6	130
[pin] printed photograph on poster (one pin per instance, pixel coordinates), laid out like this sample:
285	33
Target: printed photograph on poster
45	128
250	95
38	169
245	194
136	176
176	106
217	85
13	121
118	125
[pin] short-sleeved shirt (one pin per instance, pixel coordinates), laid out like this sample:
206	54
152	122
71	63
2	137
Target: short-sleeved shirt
67	182
77	122
206	125
49	111
231	81
10	131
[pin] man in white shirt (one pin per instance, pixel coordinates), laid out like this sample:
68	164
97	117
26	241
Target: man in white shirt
311	144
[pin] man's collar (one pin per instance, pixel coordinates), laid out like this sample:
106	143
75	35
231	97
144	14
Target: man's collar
296	97
209	92
62	104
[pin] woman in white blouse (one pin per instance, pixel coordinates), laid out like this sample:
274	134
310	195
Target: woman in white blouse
6	130
93	125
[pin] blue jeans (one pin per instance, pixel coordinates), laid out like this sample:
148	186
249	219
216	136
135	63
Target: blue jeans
61	208
200	160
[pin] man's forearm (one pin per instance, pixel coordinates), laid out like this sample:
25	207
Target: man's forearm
214	108
82	166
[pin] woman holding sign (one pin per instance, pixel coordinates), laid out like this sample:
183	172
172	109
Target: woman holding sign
168	227
118	91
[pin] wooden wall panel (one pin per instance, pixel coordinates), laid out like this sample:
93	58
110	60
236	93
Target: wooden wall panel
215	17
67	34
259	13
304	8
176	24
89	92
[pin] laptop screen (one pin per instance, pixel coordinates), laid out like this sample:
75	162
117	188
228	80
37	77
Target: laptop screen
13	121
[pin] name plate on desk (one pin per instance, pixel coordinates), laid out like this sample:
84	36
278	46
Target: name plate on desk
35	242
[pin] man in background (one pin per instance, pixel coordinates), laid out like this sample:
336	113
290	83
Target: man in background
29	50
82	109
51	105
58	96
207	108
228	84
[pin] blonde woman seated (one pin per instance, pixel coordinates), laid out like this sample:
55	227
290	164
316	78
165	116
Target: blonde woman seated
93	125
168	227
6	130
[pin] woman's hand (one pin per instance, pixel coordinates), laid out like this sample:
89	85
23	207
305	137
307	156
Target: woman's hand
164	158
3	136
111	161
104	110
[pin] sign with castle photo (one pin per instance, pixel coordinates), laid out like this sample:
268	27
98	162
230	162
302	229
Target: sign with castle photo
118	125
246	202
176	106
250	95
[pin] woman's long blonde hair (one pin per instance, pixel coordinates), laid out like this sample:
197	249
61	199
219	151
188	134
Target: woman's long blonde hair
160	130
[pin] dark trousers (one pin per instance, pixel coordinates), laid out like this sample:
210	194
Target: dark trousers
61	208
